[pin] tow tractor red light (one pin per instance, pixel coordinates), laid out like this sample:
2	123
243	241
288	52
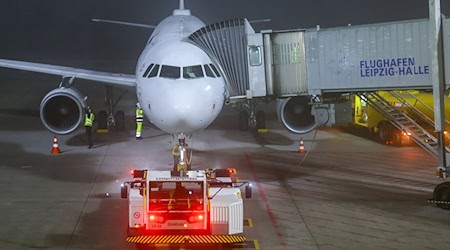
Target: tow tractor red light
156	218
132	172
195	218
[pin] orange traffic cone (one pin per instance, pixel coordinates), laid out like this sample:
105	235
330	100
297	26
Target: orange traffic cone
55	149
301	147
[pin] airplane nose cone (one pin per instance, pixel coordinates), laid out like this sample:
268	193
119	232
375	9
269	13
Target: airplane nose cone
188	108
192	112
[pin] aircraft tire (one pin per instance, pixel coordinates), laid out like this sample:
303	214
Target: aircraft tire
243	120
120	120
442	193
260	120
102	121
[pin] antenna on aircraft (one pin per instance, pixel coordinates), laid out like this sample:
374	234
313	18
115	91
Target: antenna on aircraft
181	4
181	11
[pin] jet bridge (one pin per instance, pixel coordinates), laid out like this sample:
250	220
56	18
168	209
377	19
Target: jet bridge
316	65
227	43
320	65
394	55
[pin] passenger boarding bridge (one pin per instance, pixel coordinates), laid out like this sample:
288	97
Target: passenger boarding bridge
316	61
311	69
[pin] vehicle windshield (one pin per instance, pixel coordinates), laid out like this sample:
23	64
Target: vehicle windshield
175	196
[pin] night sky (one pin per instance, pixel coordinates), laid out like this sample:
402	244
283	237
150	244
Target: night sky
61	31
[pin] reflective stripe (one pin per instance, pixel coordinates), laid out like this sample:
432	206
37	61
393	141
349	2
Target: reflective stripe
88	120
139	115
138	129
193	239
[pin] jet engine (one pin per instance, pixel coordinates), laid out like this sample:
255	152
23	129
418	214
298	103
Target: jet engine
295	114
61	110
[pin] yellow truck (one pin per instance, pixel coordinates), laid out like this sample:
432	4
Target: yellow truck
408	102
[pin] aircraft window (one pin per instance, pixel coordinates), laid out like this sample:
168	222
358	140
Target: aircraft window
214	69
154	71
255	55
170	72
192	72
148	70
208	71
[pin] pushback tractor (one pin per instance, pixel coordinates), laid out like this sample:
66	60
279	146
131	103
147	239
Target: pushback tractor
185	208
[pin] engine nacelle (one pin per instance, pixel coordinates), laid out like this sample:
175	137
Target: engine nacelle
61	110
295	114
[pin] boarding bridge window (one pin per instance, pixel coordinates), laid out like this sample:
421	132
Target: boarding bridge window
154	71
148	70
192	72
170	72
214	69
208	71
295	53
254	54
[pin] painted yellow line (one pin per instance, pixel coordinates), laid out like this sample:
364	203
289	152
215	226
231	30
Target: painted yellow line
256	244
250	222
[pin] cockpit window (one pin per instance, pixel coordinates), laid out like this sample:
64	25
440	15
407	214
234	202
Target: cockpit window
147	70
208	71
192	72
170	72
154	71
215	69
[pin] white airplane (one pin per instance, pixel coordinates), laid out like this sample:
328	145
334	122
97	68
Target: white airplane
178	86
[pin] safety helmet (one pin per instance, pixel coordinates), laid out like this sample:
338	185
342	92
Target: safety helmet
138	105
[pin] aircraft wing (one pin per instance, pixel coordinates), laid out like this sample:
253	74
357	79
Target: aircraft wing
104	77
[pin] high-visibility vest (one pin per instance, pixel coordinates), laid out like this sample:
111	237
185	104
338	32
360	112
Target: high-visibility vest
88	120
139	115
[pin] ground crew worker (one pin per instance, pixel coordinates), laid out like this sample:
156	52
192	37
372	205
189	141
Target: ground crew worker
88	121
181	197
185	163
139	120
